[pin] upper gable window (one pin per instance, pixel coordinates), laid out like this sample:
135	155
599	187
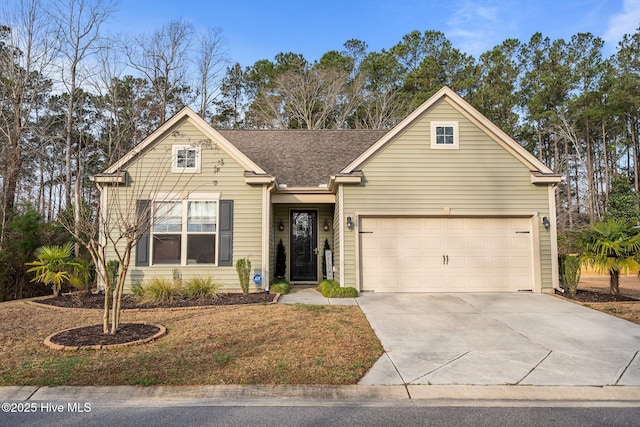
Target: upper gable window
444	135
186	158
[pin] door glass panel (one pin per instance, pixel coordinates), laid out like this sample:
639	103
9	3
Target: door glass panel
304	257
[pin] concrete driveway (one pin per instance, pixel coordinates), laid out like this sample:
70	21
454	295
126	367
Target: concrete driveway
490	339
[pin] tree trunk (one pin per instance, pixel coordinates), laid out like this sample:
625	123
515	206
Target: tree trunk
614	282
632	128
567	185
607	173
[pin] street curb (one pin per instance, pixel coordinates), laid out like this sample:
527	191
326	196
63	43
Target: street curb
337	395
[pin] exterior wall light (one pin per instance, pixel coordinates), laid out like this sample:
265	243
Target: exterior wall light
350	223
325	227
281	226
546	223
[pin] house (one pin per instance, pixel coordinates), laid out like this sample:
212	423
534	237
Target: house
443	202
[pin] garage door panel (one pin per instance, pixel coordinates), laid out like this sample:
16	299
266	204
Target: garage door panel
446	255
432	242
476	262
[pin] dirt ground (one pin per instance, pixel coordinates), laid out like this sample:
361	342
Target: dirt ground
629	286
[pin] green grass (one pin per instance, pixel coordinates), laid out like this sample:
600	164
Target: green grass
271	344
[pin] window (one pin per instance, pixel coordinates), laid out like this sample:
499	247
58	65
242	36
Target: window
184	232
186	159
444	135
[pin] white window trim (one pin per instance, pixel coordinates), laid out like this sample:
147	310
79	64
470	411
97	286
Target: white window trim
212	197
456	139
174	159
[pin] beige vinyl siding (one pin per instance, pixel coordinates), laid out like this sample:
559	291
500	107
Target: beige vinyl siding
480	178
151	173
338	222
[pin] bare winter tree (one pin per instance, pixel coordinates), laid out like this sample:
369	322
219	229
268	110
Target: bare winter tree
25	65
163	59
78	31
210	60
381	109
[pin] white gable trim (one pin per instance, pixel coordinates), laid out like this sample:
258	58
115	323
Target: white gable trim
202	126
466	109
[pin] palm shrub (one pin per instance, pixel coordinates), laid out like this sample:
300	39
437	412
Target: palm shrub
55	266
243	267
610	246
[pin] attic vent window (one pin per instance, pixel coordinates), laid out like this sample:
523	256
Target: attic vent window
186	159
444	135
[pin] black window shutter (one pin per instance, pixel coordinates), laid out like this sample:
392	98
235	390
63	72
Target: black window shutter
225	253
142	247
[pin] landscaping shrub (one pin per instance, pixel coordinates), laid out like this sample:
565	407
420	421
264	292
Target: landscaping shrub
346	292
570	273
201	287
160	290
280	286
332	289
243	267
137	290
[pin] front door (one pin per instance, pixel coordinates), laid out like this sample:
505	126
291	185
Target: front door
304	246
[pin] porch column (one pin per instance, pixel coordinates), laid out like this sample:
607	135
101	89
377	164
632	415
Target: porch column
266	234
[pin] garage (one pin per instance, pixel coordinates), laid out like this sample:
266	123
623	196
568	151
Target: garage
410	254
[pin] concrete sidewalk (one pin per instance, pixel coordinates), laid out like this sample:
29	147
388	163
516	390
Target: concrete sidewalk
355	395
310	295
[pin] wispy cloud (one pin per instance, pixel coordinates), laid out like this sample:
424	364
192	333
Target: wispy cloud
472	26
625	22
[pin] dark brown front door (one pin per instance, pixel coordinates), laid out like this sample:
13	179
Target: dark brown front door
304	246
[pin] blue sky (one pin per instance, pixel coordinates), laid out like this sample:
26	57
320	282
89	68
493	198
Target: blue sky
256	30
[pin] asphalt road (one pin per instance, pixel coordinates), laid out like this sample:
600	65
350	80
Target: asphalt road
404	415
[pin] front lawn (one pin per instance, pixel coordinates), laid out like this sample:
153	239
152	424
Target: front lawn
257	344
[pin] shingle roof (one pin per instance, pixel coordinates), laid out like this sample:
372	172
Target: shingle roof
303	158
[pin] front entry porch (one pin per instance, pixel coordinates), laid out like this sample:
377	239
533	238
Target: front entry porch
304	230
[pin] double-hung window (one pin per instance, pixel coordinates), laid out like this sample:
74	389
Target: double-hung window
186	159
185	232
444	135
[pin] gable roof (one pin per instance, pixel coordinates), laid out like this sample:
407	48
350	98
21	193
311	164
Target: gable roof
303	158
187	114
540	172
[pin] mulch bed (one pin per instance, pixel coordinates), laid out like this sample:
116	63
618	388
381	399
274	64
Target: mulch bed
93	335
129	302
591	296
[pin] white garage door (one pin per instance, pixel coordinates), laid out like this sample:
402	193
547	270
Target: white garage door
446	255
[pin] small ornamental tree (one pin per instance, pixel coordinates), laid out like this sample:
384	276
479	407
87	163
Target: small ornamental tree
611	246
281	260
56	266
114	229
